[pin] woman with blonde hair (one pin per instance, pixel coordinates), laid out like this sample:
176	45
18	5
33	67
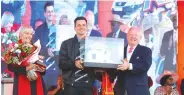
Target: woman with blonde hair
7	22
23	85
8	38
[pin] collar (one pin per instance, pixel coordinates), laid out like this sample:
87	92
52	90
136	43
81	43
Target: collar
118	32
89	32
49	25
78	38
133	47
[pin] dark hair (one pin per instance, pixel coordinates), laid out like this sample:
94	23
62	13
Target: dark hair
48	4
164	79
79	18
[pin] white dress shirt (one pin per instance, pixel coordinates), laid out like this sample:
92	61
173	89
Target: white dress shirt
116	34
89	32
129	55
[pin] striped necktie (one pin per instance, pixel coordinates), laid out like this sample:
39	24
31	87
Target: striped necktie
51	44
80	75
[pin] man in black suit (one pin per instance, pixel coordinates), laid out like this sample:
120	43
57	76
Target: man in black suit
47	35
132	77
168	47
116	21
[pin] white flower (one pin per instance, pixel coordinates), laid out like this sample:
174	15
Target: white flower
9	41
18	51
3	40
12	50
16	45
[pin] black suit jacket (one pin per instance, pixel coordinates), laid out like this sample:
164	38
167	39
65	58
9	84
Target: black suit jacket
121	35
68	52
168	53
95	33
42	33
135	81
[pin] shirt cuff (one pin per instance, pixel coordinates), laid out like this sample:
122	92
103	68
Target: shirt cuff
130	67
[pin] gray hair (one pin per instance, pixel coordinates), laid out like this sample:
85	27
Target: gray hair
6	18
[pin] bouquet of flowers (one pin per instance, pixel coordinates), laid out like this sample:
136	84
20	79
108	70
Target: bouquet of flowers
8	40
24	54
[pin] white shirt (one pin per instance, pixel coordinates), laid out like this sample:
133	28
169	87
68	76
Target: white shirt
89	32
117	34
129	55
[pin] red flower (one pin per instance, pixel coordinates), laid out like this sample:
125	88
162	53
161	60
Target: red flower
16	26
7	57
3	30
13	29
20	41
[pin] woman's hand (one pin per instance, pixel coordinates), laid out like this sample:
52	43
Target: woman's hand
41	69
41	57
32	66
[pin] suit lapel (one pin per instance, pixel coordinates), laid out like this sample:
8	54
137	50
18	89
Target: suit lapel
91	33
45	33
76	46
134	53
125	52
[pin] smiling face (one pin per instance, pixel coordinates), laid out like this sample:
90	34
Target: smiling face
81	27
49	13
26	34
133	36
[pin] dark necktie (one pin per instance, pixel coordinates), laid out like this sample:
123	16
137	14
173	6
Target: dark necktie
80	75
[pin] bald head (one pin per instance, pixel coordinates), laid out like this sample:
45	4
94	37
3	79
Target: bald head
90	17
134	36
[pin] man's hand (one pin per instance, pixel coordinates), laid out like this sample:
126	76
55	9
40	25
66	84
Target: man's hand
79	64
51	52
124	66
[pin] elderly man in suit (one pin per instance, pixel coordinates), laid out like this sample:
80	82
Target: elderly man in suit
132	76
91	31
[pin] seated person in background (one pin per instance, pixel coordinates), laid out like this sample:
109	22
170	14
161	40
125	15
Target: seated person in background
57	90
167	80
